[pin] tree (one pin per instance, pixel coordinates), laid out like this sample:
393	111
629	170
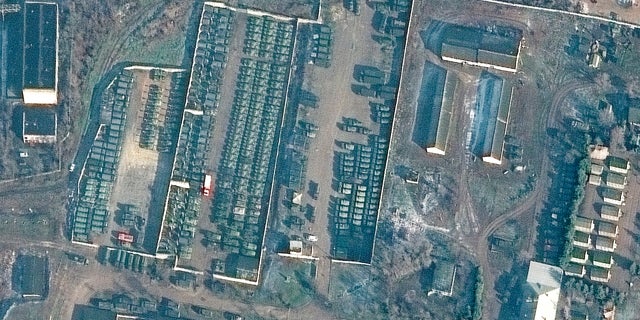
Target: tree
600	293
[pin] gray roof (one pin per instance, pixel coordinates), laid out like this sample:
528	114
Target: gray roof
476	45
40	48
39	122
436	96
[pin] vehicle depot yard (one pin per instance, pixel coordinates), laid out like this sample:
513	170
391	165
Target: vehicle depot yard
127	169
383	159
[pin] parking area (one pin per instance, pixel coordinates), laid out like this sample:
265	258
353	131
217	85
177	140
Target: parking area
144	169
336	150
124	179
229	136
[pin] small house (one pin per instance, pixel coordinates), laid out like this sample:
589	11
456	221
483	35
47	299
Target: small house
612	196
607	229
576	270
606	244
597	152
602	259
616	180
611	213
618	165
600	274
579	255
581	239
584	224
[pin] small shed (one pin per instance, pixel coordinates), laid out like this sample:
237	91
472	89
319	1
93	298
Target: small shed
596	169
584	224
575	269
295	247
595	180
606	244
609	212
617	164
599	274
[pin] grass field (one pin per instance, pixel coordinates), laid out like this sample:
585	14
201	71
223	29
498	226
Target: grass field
168	50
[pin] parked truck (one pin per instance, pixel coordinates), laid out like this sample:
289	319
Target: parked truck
206	185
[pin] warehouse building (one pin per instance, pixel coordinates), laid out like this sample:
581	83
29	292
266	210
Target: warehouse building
492	118
39	126
40	54
481	48
436	101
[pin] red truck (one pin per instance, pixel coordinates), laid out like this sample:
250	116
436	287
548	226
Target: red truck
206	185
124	237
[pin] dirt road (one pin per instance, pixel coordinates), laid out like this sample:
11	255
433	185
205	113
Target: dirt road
491	304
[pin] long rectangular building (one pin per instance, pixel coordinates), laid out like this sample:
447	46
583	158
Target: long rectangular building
494	104
436	102
477	47
40	53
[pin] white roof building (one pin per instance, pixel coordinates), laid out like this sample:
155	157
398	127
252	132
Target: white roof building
545	281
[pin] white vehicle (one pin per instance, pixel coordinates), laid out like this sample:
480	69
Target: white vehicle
311	238
72	167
